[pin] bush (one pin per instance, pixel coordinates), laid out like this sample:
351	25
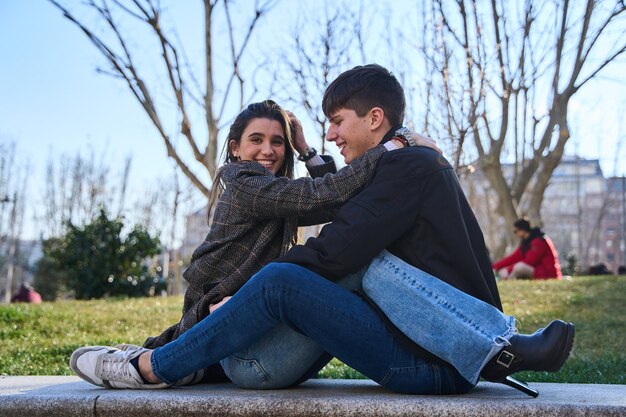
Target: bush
94	261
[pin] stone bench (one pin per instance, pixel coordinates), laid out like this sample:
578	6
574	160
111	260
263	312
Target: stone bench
70	396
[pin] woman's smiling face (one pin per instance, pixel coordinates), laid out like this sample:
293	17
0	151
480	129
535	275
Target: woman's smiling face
263	141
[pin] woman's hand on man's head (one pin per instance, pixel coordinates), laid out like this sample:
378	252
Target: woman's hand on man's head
299	142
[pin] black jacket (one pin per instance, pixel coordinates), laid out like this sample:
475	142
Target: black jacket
414	207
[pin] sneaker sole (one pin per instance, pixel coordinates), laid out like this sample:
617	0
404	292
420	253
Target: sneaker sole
74	366
568	344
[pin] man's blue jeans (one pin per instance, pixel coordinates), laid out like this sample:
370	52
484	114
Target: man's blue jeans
342	323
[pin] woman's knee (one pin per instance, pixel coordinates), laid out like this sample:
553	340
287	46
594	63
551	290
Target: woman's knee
279	274
503	273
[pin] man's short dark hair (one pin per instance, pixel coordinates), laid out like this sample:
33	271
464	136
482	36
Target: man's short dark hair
363	88
522	224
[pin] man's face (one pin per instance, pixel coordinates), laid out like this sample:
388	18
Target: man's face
352	134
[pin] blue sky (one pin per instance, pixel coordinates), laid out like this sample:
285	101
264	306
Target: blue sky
53	101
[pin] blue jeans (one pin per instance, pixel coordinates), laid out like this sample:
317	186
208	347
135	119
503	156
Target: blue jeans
458	328
410	298
342	323
282	358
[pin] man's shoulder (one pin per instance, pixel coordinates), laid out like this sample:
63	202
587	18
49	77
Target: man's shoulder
413	161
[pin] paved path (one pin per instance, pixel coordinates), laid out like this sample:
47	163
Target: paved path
69	396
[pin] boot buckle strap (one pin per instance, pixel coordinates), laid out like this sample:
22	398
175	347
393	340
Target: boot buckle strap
505	359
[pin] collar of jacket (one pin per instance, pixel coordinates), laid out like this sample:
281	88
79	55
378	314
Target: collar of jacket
389	134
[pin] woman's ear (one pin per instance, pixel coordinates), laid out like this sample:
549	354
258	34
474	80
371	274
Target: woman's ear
234	148
377	116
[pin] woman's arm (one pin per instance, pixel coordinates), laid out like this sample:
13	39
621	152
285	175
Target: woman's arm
327	166
266	196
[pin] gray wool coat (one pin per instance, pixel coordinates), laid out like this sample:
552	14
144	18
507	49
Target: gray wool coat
252	226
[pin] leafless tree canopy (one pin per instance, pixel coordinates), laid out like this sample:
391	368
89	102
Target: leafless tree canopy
13	199
496	77
323	45
76	187
187	90
503	74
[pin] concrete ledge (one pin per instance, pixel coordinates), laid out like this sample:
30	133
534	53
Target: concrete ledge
70	396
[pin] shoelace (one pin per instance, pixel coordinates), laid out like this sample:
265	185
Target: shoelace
116	367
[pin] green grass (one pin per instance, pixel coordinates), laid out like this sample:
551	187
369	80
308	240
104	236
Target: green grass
38	339
596	305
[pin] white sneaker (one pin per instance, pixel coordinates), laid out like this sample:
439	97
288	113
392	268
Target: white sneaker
192	379
127	346
109	367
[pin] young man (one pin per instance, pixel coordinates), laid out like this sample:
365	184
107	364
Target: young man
413	207
535	258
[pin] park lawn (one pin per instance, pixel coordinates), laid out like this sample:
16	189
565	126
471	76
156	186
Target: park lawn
38	339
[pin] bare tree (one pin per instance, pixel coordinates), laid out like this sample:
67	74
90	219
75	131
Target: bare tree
505	73
160	210
320	49
184	87
13	185
124	185
77	187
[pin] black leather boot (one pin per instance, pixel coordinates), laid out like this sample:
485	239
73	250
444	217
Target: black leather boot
545	350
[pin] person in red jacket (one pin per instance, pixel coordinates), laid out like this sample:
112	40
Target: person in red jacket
26	294
535	258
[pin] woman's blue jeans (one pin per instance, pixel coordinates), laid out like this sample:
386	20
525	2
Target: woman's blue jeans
283	357
341	322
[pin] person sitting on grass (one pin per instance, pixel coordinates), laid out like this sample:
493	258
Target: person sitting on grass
26	294
535	257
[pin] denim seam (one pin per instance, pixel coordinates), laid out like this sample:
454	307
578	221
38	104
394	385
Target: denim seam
496	343
439	300
399	370
255	365
282	290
